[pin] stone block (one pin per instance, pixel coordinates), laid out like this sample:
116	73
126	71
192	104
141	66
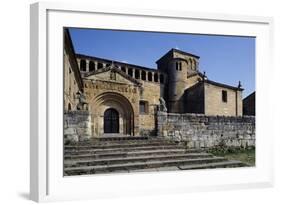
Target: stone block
70	131
84	138
70	138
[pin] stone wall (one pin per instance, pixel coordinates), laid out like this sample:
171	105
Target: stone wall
77	126
201	131
214	104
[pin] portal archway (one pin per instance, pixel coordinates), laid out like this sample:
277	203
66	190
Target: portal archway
112	113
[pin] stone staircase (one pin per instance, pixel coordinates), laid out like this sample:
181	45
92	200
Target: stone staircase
136	154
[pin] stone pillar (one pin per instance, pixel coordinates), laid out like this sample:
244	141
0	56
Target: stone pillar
87	65
95	65
161	122
77	126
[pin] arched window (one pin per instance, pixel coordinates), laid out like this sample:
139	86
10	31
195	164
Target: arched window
130	72
107	65
149	76
143	75
161	78
178	65
123	69
82	65
91	66
137	74
69	107
100	65
156	77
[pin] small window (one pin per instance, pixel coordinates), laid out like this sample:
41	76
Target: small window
100	65
224	96
123	69
91	66
137	74
143	107
130	72
143	75
69	70
149	76
83	65
156	77
178	65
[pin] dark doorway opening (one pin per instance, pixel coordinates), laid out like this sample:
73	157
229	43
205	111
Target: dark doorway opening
111	121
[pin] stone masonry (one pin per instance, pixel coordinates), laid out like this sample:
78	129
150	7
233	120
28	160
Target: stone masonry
77	126
201	131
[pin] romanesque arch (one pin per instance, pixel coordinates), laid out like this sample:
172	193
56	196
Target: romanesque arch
112	101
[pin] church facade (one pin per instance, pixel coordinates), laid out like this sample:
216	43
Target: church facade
124	98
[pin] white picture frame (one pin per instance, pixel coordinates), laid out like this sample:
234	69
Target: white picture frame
46	139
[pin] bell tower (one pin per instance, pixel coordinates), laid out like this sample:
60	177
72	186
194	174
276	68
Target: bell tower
179	66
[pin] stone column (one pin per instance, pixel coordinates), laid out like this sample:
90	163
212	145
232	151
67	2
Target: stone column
87	65
95	65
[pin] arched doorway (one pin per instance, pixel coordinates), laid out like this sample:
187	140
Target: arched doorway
105	109
111	121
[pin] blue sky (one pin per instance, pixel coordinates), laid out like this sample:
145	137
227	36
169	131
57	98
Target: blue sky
225	59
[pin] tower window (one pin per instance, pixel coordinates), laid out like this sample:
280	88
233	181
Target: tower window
224	96
178	65
143	107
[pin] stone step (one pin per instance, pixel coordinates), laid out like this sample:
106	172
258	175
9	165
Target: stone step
126	149
112	146
223	164
137	165
118	137
128	153
120	143
116	160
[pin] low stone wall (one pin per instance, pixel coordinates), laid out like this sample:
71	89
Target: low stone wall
201	131
77	126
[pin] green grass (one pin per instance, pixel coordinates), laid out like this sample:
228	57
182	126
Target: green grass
244	155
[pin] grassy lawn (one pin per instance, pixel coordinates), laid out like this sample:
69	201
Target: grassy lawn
243	155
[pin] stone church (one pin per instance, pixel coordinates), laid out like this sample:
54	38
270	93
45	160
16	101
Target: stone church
124	98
